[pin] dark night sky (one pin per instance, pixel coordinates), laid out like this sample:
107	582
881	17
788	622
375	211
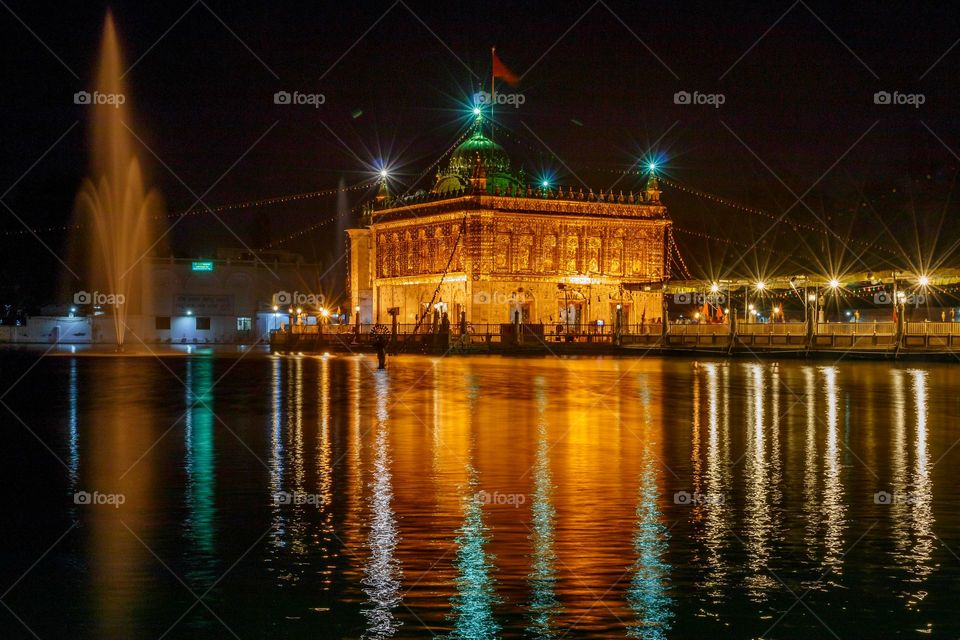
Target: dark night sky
798	98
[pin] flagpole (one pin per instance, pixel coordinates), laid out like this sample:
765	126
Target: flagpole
493	53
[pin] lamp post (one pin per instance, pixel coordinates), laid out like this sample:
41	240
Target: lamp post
324	313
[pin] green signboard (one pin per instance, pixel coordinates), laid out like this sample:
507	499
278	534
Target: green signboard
202	265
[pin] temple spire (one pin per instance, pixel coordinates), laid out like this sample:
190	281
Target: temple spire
383	194
652	189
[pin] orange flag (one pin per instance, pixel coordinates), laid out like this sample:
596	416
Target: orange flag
500	70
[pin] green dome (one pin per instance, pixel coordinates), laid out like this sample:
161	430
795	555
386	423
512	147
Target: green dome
492	156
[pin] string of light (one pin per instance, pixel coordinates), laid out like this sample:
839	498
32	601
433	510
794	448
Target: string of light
766	214
199	210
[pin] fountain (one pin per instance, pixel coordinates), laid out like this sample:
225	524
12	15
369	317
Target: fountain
114	201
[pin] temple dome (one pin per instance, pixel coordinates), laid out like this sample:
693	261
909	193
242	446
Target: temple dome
493	158
478	149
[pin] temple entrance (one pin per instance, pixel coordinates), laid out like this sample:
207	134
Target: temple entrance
571	316
624	314
524	308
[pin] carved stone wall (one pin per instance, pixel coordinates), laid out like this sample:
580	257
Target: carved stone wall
631	249
418	249
512	244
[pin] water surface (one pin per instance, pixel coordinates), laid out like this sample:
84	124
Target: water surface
315	497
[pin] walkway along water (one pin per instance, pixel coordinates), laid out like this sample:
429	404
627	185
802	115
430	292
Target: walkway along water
879	340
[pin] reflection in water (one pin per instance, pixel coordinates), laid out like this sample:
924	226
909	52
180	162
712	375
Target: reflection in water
475	595
834	507
922	489
648	593
72	397
758	520
200	453
811	502
716	486
912	497
115	463
279	528
297	525
325	481
544	606
591	550
382	573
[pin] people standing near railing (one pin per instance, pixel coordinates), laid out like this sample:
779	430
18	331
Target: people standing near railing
445	331
381	344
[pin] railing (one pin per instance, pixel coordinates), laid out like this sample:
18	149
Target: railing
772	328
933	328
791	334
698	329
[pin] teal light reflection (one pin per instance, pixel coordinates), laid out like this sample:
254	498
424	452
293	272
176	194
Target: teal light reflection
648	595
200	463
544	606
475	591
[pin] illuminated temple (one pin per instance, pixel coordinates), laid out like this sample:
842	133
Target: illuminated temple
497	247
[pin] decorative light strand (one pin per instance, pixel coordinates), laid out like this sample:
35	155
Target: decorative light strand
766	214
199	210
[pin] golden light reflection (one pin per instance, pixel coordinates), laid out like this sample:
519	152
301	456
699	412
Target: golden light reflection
922	489
716	519
812	515
116	465
327	533
833	506
382	572
758	519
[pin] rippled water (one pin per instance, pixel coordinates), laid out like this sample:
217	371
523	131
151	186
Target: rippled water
310	497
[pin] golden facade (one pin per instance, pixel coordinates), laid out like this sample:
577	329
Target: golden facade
497	250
